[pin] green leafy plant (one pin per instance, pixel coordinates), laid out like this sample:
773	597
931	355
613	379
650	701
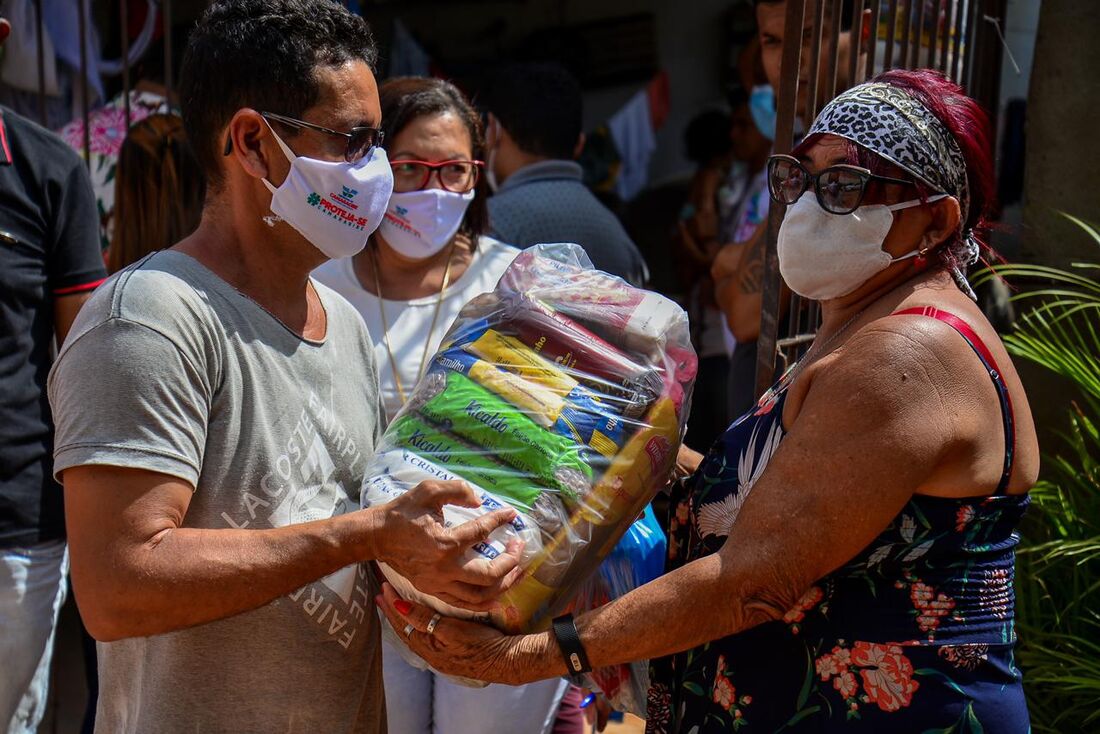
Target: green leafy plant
1058	562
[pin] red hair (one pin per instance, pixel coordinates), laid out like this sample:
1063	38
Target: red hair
967	122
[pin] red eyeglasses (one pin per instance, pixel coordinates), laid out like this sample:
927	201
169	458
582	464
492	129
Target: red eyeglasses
455	176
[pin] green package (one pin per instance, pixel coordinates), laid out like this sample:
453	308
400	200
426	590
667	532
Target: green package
461	406
470	463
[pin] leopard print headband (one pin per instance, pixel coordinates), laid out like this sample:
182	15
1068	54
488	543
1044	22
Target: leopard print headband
885	120
890	123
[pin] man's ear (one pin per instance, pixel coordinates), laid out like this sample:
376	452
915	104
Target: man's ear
5	30
503	140
492	130
578	147
245	135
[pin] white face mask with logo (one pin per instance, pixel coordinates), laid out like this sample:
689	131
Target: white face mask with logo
334	204
418	224
824	256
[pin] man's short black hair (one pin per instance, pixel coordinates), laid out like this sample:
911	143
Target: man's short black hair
539	104
261	54
846	10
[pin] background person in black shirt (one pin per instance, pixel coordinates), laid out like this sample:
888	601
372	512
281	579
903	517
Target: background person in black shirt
49	264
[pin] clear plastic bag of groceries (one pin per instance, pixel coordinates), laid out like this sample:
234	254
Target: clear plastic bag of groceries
562	393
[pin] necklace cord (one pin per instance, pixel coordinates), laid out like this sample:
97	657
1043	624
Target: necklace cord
811	354
431	329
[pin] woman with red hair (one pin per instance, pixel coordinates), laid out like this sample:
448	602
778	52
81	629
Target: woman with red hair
842	558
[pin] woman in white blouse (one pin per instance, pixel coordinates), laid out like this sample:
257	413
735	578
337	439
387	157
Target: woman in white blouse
427	259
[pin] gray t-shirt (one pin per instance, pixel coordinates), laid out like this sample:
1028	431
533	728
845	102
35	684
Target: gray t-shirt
169	368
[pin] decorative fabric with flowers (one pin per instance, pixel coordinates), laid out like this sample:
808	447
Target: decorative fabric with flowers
914	634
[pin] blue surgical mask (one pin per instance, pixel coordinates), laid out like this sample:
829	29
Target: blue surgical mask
762	107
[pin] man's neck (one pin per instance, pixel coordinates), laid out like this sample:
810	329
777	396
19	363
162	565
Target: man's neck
516	162
263	263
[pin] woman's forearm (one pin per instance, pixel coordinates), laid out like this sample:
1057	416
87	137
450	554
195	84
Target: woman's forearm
690	606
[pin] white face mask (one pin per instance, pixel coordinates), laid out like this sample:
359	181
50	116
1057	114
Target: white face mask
823	255
418	224
334	204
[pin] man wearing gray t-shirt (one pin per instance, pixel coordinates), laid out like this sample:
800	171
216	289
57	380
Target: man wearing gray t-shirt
216	407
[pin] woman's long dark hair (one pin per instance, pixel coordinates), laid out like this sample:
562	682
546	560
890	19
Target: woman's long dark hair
404	99
159	189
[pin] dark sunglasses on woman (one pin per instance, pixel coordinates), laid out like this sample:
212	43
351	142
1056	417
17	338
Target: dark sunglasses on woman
839	189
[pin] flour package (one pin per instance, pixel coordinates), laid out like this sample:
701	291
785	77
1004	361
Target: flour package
563	394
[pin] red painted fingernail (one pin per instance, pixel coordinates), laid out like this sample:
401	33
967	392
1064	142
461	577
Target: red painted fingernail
403	606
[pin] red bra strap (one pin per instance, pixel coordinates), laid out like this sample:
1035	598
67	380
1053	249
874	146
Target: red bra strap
964	329
958	325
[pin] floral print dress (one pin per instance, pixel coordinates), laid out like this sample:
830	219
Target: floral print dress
914	634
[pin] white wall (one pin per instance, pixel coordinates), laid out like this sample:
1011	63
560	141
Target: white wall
1021	23
1020	27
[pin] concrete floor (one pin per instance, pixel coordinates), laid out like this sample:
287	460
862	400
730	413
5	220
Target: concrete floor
632	725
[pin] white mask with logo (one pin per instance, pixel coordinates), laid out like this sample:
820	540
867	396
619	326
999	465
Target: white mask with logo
823	255
418	224
334	204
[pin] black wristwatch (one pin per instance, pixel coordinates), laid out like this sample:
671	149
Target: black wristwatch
572	651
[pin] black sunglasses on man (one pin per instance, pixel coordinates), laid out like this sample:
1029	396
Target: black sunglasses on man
361	140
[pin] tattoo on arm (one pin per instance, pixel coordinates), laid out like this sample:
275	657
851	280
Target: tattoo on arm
751	278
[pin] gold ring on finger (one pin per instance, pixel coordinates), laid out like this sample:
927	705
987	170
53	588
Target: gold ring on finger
409	630
433	622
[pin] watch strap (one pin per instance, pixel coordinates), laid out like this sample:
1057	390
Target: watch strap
572	651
